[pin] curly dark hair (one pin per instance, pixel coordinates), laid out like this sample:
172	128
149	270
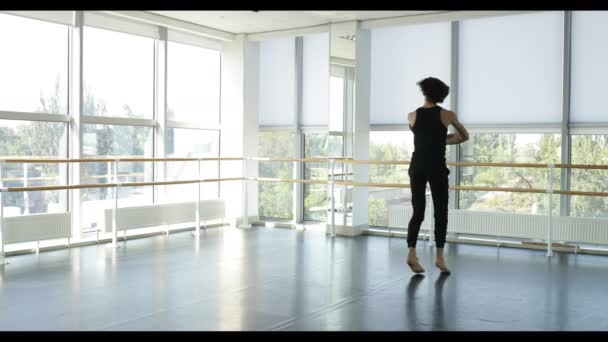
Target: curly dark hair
434	89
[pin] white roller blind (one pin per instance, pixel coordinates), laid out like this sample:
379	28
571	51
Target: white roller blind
336	92
400	57
589	66
315	80
511	69
276	103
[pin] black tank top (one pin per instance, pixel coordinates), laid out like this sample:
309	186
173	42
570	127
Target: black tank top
429	138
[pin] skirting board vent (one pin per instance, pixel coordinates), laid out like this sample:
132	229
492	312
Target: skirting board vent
563	228
164	214
36	227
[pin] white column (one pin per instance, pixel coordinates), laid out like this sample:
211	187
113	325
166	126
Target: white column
160	110
239	123
75	111
361	130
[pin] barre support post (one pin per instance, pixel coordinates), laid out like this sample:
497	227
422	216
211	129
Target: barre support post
332	164
115	211
197	227
245	218
2	261
550	209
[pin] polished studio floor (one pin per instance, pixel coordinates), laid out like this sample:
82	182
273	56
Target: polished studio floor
281	279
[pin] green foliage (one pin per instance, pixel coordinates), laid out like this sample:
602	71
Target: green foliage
275	199
378	212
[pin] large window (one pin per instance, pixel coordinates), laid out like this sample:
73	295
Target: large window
510	148
33	80
193	102
591	150
319	145
118	74
275	200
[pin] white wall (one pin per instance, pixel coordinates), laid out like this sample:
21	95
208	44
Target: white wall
239	121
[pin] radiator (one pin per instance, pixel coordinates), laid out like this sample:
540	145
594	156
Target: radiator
564	228
36	227
399	217
164	214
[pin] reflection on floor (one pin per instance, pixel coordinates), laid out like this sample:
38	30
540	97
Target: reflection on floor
282	279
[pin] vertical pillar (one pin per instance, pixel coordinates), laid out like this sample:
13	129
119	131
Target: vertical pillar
566	157
298	171
239	122
361	128
75	91
455	150
160	110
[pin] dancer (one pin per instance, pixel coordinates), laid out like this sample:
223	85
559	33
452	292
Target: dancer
429	124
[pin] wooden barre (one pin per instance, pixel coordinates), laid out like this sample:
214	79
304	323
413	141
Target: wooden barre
407	162
305	160
108	159
59	187
112	185
305	181
281	180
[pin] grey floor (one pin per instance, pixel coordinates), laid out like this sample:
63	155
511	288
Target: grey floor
281	279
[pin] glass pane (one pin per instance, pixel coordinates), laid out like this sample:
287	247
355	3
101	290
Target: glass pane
319	145
275	200
114	140
400	57
118	71
191	143
590	150
33	65
388	145
37	140
515	148
511	57
193	84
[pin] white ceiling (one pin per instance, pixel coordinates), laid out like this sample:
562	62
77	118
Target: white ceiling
264	21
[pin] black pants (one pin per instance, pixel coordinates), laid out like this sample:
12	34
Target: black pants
437	177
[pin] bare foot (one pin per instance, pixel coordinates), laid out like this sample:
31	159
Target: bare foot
414	265
442	266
